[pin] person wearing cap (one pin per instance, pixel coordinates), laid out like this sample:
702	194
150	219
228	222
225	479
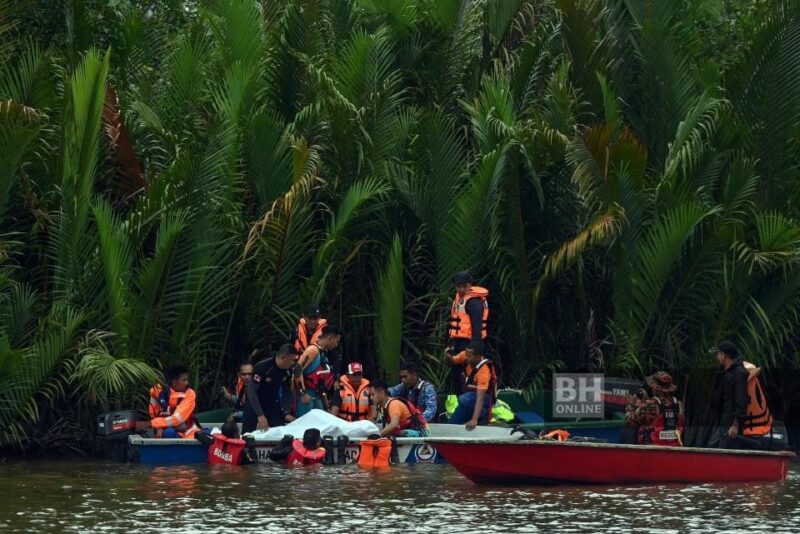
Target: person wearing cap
469	316
309	328
729	397
745	420
414	389
351	401
657	415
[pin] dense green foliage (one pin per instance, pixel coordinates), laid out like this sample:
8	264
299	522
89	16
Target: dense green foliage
177	179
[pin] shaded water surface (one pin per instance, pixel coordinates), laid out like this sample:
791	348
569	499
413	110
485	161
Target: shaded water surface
108	497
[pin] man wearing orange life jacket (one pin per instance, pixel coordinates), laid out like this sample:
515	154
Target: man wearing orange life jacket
480	386
352	402
400	416
309	328
239	398
739	400
172	406
227	447
469	316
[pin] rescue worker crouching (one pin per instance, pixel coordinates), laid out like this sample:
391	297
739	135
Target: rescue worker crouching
271	379
480	386
228	447
296	453
352	401
172	406
400	416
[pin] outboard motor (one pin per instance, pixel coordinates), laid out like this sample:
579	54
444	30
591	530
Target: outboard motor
116	426
113	429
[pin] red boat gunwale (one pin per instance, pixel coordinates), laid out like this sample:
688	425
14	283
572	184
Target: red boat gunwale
548	462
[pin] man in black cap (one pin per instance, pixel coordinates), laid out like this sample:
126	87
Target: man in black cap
309	328
729	397
469	315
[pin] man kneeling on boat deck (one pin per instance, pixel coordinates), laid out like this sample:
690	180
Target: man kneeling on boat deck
228	447
172	406
401	417
296	453
656	416
480	386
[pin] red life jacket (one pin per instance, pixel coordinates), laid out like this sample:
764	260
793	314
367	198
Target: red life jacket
460	324
322	378
668	426
225	450
415	421
302	456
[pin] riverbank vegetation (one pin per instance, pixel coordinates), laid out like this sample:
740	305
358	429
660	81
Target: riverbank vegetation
179	178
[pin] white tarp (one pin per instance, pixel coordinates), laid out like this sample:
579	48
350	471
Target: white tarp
328	425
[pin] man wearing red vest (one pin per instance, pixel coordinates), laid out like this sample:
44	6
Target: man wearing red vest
227	447
469	315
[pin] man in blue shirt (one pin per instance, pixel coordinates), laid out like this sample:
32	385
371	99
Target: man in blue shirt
416	390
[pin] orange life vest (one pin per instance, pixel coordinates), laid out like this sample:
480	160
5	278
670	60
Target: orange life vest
179	407
460	325
759	419
375	453
557	435
226	450
469	380
241	393
302	456
302	342
355	403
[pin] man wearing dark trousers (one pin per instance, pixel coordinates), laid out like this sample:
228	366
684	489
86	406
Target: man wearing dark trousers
264	408
729	397
469	315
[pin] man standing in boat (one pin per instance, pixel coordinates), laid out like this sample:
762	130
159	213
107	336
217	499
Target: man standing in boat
309	328
270	377
469	316
729	397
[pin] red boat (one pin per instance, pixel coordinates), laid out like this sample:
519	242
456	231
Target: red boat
552	462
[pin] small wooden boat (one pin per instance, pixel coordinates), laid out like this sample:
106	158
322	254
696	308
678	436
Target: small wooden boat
410	450
492	461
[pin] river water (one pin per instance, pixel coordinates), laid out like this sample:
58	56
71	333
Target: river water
110	497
